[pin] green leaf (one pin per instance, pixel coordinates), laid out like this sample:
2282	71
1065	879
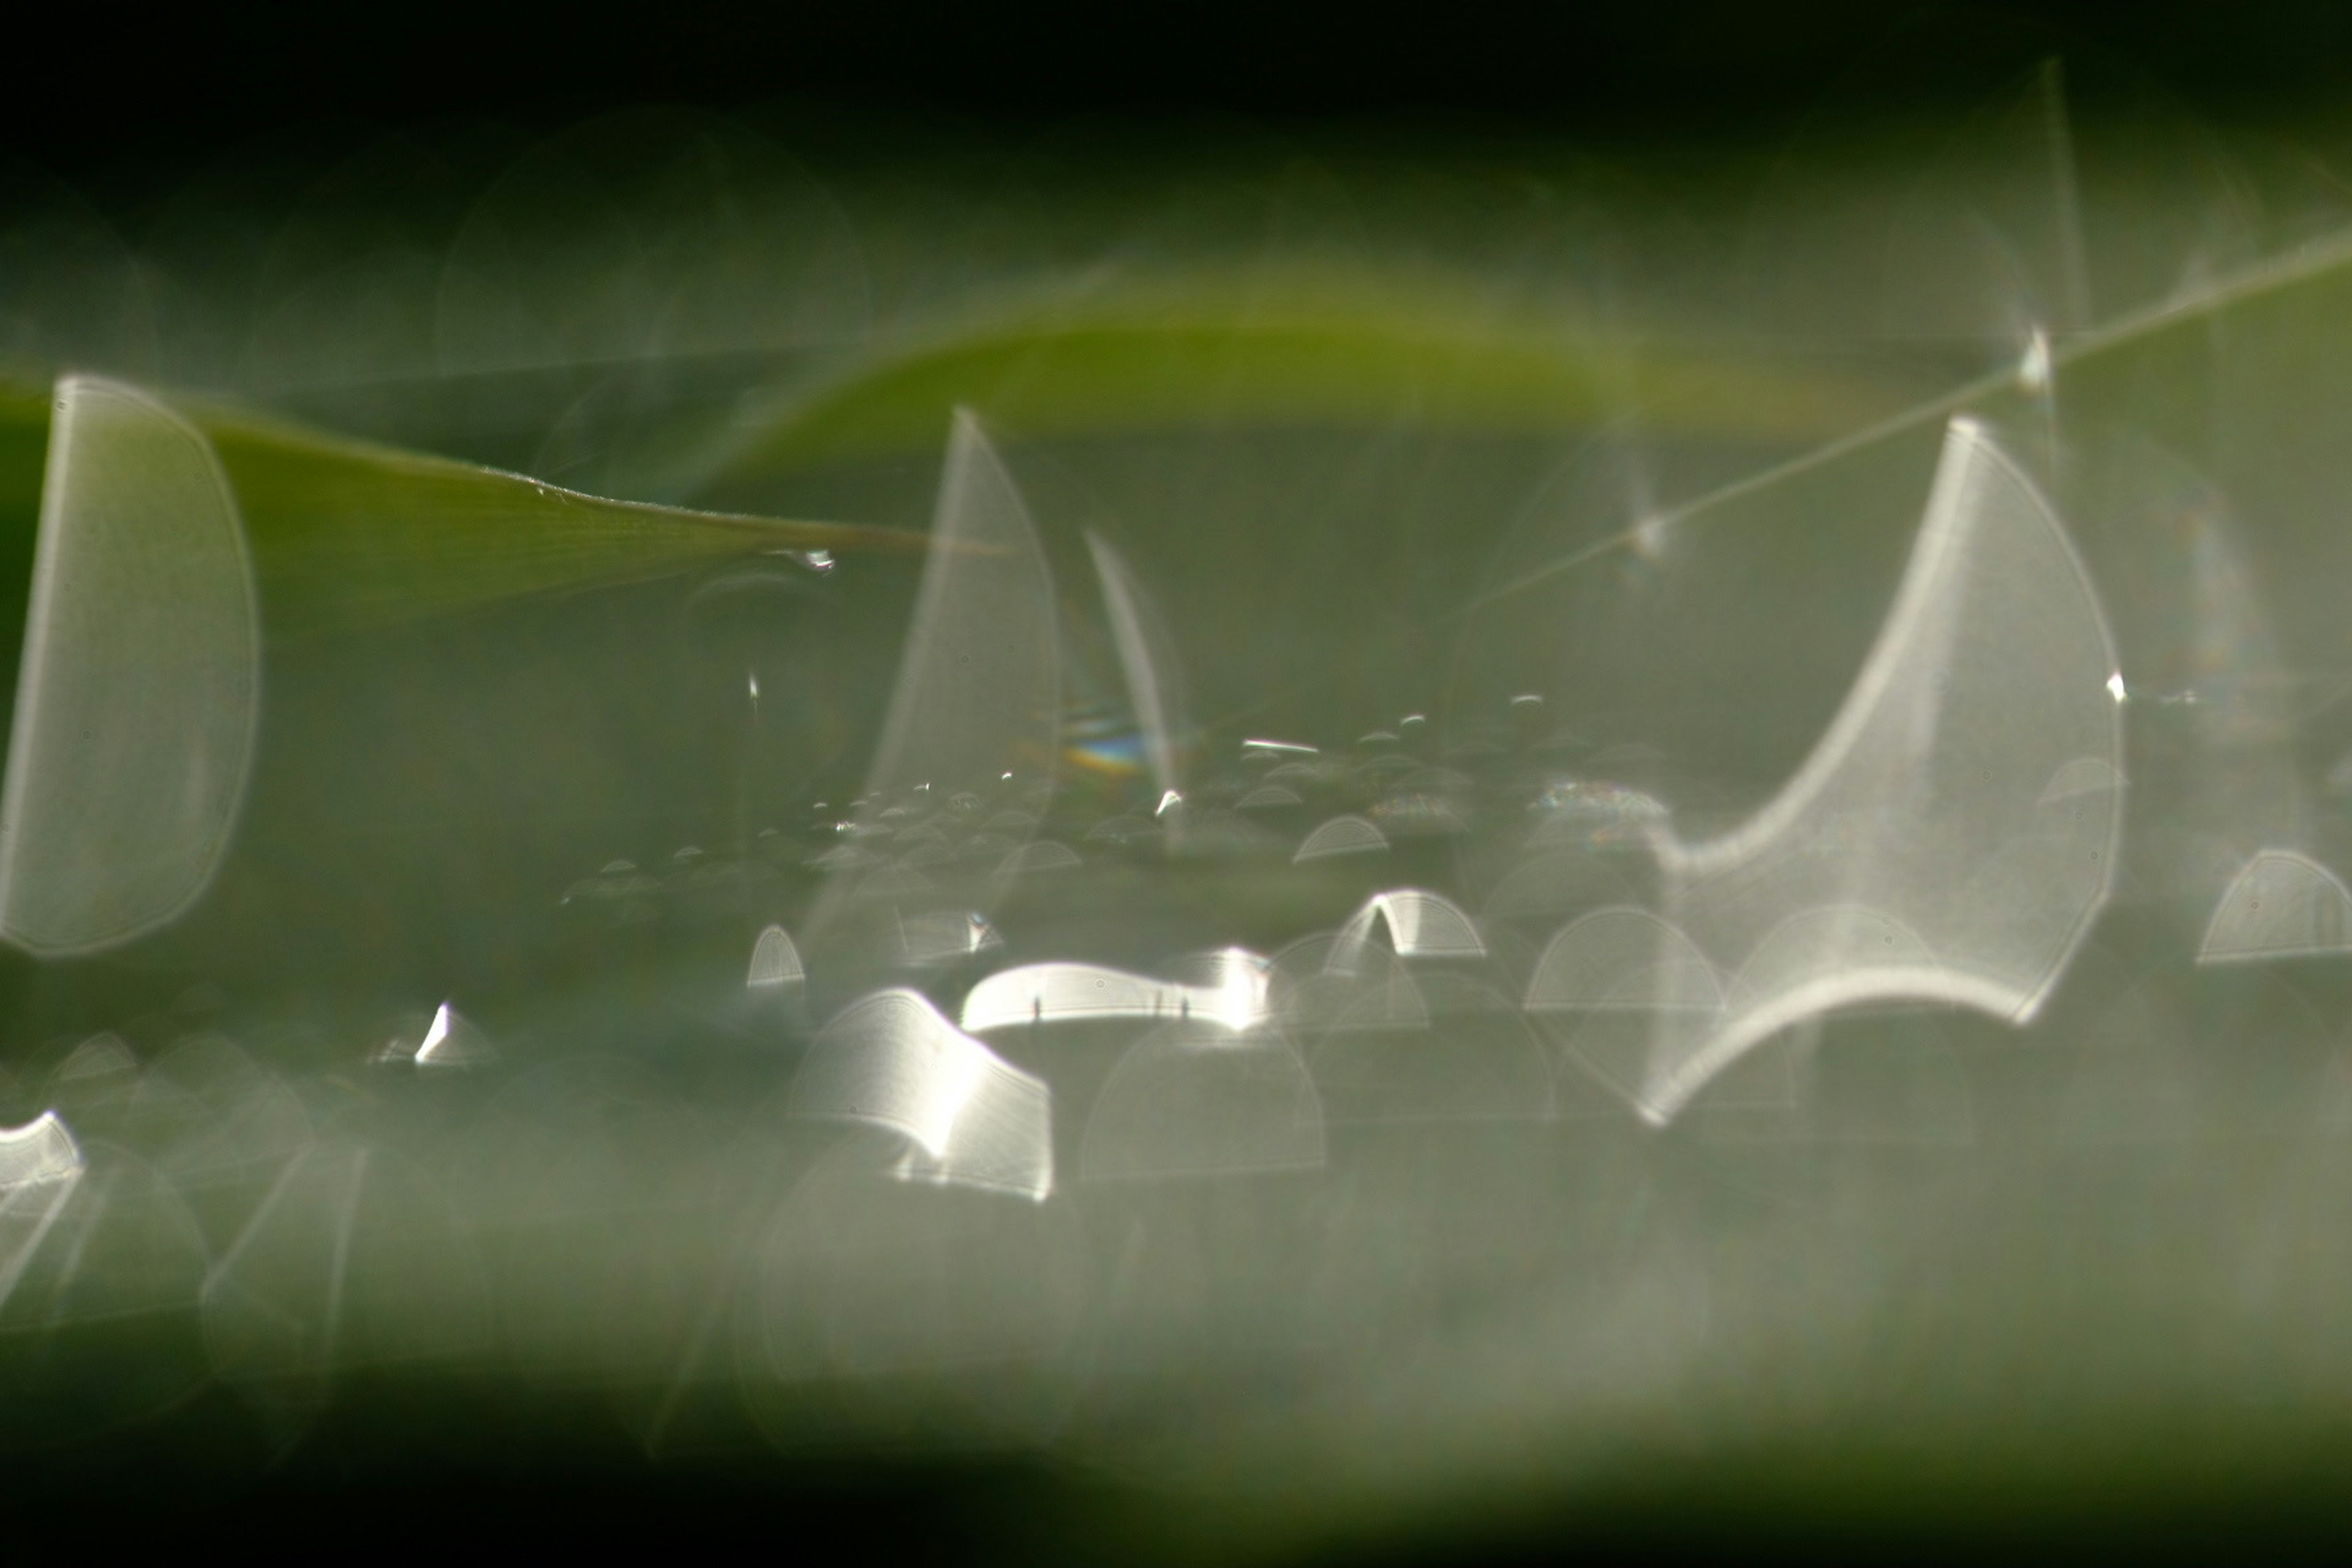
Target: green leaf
1316	352
346	535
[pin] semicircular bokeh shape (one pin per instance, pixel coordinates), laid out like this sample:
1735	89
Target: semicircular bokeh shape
140	688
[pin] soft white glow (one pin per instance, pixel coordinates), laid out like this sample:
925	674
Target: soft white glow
1949	837
1419	923
890	1059
978	693
40	1151
41	1170
451	1040
1230	990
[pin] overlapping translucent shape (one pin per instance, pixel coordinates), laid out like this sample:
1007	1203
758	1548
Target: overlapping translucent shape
1230	987
1147	660
942	936
39	1152
1623	959
1614	980
351	1258
95	1085
1192	1100
223	1128
1809	964
101	1056
1557	883
1045	856
2283	904
970	1118
935	1314
1953	833
1471	1057
91	1262
1419	924
39	1166
1211	833
140	692
1315	992
586	1197
775	962
979	687
978	694
1342	835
